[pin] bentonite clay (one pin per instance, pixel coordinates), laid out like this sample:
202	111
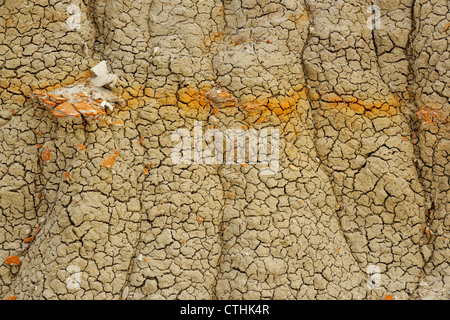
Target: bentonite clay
92	205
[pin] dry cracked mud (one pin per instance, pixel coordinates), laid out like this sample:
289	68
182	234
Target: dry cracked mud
92	205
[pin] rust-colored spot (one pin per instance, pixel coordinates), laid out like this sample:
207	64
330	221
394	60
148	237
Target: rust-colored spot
183	241
45	155
39	146
431	213
200	219
12	261
388	297
145	171
80	147
243	164
66	175
108	162
11	298
39	195
28	240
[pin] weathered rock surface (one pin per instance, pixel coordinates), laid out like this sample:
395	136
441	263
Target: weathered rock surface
98	209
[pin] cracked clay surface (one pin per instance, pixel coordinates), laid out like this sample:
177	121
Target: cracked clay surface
92	205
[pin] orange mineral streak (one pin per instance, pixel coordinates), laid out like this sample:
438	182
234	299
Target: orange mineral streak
108	162
117	123
45	155
66	175
368	107
88	110
56	99
433	115
48	102
388	297
12	261
66	109
220	97
80	147
11	298
28	240
214	98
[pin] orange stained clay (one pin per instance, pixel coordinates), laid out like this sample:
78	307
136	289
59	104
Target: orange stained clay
108	162
11	298
87	109
66	175
81	147
48	102
39	93
12	261
145	171
66	109
117	123
447	27
28	240
45	155
38	146
221	97
388	297
57	99
200	219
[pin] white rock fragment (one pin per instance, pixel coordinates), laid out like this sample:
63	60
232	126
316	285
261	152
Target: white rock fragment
100	69
139	257
103	77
